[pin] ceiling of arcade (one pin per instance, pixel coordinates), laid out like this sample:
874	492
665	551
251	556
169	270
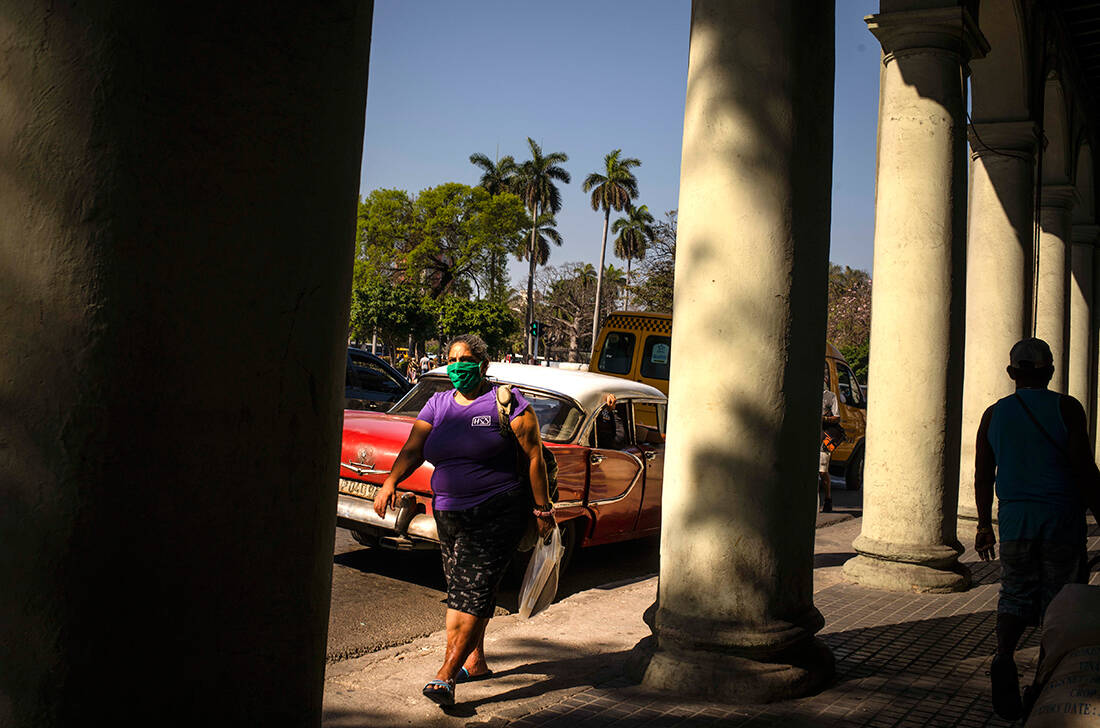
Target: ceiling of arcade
1082	21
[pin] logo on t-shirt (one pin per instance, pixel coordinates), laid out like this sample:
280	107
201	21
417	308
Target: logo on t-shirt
481	421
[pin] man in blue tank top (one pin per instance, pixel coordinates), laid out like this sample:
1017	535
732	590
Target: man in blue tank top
1033	446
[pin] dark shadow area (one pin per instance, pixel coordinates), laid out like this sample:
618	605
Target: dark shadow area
832	559
417	567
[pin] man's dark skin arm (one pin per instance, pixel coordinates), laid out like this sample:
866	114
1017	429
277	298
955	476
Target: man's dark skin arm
1080	454
985	466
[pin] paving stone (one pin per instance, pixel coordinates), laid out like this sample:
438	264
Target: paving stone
902	661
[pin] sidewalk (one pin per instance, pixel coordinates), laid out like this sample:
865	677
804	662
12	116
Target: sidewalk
902	660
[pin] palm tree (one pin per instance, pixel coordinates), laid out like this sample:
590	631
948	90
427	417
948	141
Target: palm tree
535	186
496	177
635	232
612	189
545	233
587	274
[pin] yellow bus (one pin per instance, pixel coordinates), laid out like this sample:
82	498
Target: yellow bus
638	345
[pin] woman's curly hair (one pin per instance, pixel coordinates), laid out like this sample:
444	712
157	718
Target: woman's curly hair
477	345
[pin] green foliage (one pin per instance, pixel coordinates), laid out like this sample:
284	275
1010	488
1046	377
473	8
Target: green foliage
634	232
534	183
395	310
546	233
496	177
492	321
448	239
857	356
534	179
653	292
615	185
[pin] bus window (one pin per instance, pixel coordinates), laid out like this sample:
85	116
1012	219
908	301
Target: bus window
655	357
618	353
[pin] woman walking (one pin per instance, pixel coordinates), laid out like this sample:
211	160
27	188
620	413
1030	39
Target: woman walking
480	499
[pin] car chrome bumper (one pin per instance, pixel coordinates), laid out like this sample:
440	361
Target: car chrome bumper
351	510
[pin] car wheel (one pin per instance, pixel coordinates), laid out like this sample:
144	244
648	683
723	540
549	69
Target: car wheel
853	474
363	539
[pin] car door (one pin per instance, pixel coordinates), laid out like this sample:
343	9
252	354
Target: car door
649	434
853	405
616	473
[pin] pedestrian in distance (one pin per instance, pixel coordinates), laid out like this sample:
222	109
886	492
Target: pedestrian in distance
1033	451
481	501
412	371
831	435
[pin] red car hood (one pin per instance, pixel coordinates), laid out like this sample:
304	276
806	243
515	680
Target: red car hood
371	442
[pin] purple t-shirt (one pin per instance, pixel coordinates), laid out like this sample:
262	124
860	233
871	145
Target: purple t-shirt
473	461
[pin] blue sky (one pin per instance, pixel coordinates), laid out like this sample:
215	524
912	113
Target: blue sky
451	78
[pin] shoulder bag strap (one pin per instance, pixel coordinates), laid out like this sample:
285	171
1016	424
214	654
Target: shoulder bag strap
504	409
1038	426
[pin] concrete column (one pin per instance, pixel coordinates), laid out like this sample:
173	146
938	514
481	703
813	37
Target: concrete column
736	618
1000	241
1081	371
1085	232
911	484
177	214
1052	277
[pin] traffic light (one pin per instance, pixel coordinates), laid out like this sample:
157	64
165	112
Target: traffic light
536	329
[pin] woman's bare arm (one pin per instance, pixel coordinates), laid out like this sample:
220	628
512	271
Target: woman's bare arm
526	427
408	460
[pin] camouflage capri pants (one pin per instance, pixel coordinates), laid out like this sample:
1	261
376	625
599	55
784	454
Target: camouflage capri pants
1032	572
477	544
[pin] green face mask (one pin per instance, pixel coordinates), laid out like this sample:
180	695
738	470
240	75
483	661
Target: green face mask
465	375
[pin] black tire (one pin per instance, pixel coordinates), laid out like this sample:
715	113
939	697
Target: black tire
363	539
853	474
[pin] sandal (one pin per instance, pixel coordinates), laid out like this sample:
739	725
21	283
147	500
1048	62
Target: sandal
439	692
464	676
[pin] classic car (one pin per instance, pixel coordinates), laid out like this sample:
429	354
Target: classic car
610	459
371	383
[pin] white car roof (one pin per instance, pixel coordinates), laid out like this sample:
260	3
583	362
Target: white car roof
587	388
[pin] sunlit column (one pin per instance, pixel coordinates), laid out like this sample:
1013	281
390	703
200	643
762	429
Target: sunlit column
1052	304
736	618
911	481
1081	373
1000	237
177	214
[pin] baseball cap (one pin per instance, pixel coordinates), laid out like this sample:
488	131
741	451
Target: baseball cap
1030	354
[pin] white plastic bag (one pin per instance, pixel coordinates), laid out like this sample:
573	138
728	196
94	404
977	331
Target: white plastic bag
540	582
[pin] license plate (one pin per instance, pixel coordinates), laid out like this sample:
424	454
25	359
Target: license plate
354	487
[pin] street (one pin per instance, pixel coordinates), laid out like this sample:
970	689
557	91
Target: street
383	598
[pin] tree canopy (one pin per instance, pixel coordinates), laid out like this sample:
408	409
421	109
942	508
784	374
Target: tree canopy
446	239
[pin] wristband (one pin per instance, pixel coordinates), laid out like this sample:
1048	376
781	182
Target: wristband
540	513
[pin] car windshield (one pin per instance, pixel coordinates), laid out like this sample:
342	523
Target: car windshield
558	419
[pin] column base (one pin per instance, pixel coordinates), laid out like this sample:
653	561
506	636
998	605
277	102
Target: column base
799	670
908	577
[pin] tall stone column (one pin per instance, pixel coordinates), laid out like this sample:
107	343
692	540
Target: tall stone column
1052	277
908	540
1081	372
177	215
1086	232
1000	237
735	618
